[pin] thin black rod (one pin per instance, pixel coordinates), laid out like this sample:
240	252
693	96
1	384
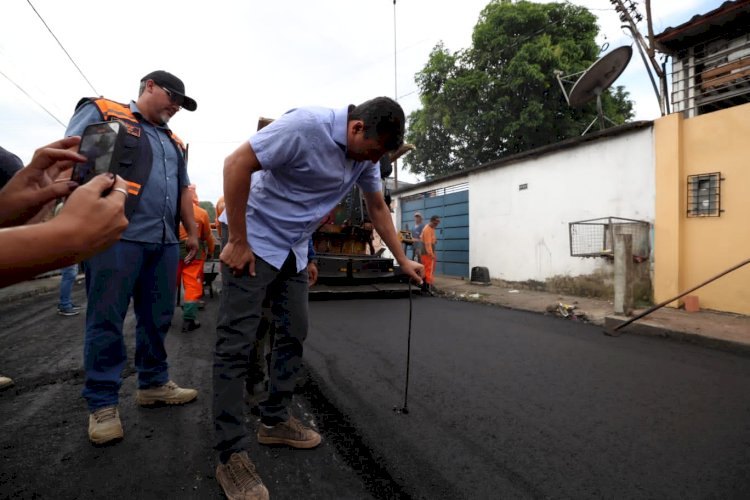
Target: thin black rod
408	355
662	304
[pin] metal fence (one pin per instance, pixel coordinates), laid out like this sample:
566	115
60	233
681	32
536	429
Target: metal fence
596	237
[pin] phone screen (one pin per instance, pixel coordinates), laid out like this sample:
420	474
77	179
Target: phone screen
97	145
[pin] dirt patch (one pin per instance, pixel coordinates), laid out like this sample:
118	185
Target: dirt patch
598	285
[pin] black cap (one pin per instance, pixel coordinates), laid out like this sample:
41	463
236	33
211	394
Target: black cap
174	84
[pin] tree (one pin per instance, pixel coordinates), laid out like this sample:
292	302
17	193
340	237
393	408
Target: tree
500	96
208	207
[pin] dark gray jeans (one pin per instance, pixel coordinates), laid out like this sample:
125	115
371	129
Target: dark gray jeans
239	316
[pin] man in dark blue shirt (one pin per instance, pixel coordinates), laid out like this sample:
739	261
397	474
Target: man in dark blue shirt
142	266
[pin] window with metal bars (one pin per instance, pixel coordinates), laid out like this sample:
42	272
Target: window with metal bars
704	195
713	74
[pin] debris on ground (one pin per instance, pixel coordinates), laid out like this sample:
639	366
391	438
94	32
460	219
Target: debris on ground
567	311
469	297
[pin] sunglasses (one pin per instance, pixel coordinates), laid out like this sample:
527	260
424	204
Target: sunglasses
173	97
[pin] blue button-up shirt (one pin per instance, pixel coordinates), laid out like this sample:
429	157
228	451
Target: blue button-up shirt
305	173
153	219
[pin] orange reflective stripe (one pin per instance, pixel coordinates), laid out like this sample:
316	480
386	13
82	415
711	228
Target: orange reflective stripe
133	187
177	140
116	110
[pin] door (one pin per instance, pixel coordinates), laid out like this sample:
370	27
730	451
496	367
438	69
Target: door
451	204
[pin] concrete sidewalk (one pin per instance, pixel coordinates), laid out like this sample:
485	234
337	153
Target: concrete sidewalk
724	331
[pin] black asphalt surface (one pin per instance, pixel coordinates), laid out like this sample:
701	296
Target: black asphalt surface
508	404
166	453
502	404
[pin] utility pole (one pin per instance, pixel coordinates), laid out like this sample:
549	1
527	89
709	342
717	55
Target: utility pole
395	89
628	12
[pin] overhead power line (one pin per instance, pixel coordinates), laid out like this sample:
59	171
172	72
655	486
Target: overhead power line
35	101
63	48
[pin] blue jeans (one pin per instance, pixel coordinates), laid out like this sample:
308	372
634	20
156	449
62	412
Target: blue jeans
147	273
237	324
66	286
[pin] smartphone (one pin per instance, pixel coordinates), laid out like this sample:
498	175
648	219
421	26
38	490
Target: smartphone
101	144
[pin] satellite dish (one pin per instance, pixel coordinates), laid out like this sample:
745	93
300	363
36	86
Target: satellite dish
595	80
600	75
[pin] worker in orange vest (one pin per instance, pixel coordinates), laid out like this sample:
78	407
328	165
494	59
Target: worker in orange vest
429	240
191	273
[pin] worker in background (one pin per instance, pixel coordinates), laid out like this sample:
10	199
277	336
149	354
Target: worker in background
191	272
429	240
258	375
417	248
68	275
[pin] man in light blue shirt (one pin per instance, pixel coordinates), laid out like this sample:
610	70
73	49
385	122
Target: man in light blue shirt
278	186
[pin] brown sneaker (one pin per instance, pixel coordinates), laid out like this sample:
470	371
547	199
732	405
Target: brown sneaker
291	433
239	480
105	425
169	394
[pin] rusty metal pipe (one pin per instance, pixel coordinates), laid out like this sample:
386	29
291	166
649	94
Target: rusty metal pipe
614	332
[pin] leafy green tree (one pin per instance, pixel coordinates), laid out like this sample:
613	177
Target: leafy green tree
208	207
501	96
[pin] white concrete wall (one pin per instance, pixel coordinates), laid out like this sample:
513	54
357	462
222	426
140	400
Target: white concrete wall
521	235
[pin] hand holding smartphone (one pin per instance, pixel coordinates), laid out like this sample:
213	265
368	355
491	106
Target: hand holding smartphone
101	144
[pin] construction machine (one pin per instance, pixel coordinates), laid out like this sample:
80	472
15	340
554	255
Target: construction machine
348	262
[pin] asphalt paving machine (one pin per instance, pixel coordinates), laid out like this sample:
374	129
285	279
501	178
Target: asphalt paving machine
348	262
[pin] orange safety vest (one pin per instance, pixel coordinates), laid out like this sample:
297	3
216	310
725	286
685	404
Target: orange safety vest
135	162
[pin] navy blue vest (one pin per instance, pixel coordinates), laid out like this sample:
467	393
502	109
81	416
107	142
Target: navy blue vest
137	158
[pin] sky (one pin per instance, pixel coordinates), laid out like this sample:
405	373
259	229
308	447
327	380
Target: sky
242	59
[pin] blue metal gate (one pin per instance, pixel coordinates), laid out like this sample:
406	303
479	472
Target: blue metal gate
452	205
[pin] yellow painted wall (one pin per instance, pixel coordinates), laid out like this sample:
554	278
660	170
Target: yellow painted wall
688	251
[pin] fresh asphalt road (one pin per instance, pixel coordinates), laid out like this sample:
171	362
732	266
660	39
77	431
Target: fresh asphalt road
167	452
502	404
508	404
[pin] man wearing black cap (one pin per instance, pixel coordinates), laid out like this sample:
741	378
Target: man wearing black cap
143	264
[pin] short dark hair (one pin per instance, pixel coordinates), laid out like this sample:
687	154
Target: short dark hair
434	217
383	117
